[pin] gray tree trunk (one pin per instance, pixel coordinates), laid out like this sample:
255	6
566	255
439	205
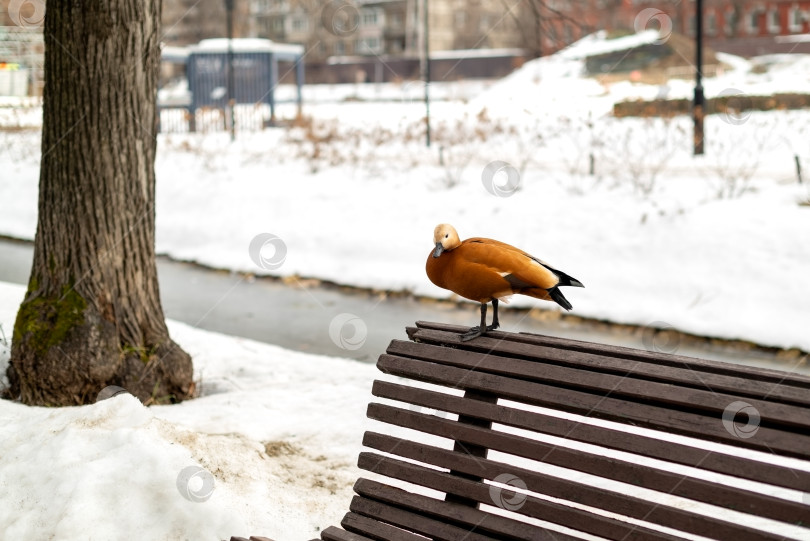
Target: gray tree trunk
92	315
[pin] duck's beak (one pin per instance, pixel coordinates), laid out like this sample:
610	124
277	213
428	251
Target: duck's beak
439	249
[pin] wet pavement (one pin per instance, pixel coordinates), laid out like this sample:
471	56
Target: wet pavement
305	315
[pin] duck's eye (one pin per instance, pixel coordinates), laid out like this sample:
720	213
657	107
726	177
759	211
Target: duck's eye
447	235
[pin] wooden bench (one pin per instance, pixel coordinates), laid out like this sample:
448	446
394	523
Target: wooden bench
528	437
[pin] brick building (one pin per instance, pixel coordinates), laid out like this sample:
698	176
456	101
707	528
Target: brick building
744	27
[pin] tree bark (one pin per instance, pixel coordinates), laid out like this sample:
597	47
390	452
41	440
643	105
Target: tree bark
92	315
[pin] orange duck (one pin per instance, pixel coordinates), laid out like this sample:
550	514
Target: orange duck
485	270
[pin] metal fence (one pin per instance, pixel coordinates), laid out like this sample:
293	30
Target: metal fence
247	118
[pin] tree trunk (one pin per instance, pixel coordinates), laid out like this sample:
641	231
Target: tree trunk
92	315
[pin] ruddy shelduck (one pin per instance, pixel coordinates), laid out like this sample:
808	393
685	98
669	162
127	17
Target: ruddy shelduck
486	270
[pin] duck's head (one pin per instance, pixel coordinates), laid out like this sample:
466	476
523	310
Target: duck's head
445	238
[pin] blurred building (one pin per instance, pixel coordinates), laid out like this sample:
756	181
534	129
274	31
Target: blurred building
743	27
22	47
186	22
340	28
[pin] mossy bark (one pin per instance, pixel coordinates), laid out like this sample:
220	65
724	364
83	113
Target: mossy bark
92	315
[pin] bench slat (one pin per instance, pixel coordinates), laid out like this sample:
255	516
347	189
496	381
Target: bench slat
534	507
473	519
632	443
703	365
376	530
595	405
413	522
333	533
608	468
571	517
556	366
672	396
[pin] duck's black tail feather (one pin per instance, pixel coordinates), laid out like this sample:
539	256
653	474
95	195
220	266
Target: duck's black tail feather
559	298
566	280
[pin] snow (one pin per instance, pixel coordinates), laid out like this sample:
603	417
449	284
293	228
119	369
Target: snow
246	45
278	431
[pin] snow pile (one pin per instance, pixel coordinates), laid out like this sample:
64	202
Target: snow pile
66	469
269	449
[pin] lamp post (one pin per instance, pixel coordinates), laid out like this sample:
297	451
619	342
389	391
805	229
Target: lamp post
231	101
427	74
698	108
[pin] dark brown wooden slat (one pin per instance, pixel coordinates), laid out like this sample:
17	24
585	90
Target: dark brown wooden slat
522	350
376	530
633	443
336	534
676	397
556	513
413	522
259	538
592	405
718	367
608	468
501	527
596	364
565	489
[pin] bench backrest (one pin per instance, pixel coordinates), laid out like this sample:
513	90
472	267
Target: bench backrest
532	437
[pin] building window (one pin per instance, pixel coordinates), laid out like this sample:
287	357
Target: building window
774	23
731	23
753	22
485	24
711	24
371	17
691	23
367	46
340	48
795	19
396	20
568	34
278	25
299	23
460	19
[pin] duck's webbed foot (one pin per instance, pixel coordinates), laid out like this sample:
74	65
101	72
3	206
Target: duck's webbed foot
474	332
